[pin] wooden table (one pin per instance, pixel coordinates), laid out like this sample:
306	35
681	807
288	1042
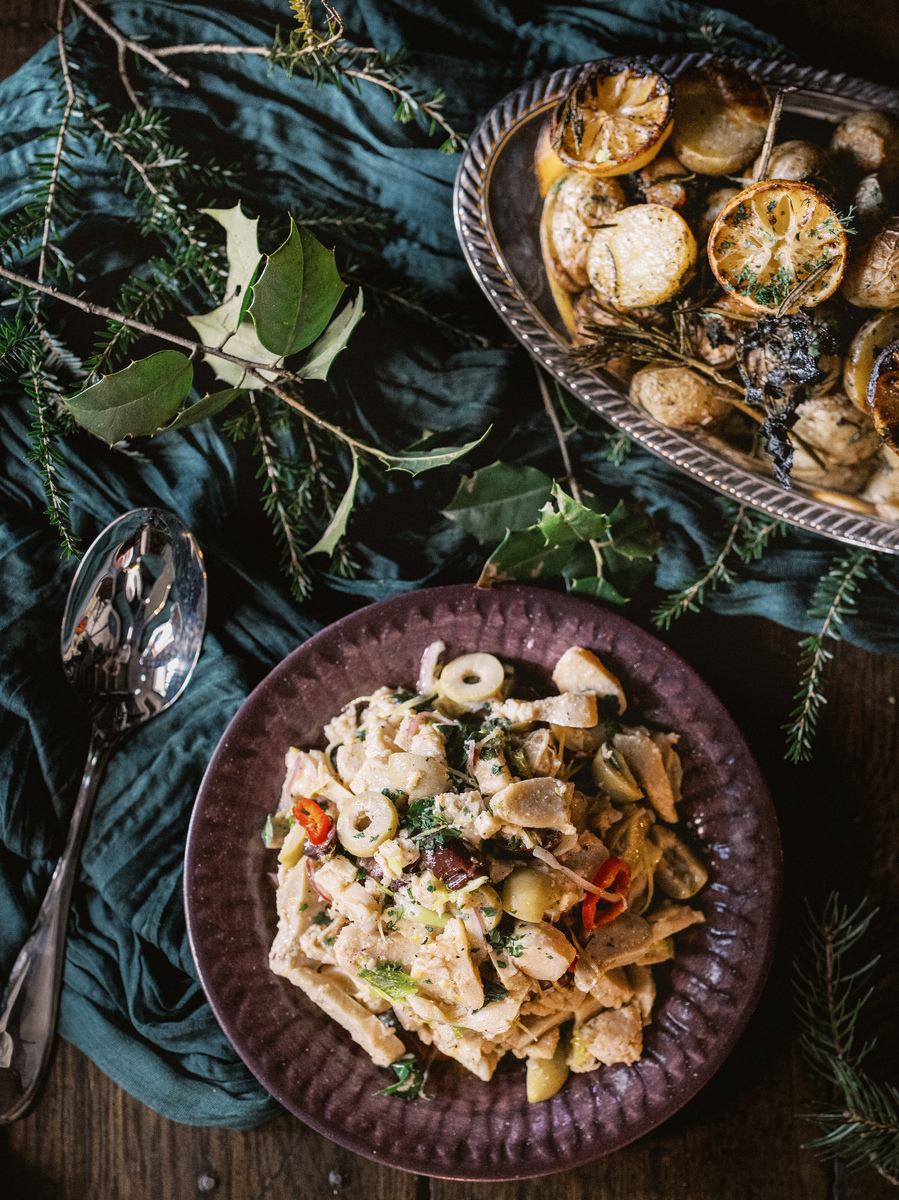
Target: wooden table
742	1137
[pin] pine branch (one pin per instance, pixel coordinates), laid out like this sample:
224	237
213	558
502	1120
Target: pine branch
829	999
45	452
690	596
276	501
833	601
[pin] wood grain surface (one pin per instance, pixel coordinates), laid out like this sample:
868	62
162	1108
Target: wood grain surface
742	1137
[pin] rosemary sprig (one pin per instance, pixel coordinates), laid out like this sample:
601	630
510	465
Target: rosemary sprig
832	602
829	998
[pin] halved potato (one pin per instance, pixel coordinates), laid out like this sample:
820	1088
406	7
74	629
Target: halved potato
872	276
721	118
870	139
643	255
578	205
614	119
874	336
772	236
714	203
680	398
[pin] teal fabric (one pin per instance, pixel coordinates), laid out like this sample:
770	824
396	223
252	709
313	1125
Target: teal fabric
131	999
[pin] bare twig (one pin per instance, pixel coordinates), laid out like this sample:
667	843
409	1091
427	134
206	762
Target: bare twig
125	42
761	170
196	348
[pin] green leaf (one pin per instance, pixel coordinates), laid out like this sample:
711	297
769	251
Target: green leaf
497	498
141	399
390	981
600	589
415	463
242	249
332	341
632	534
207	407
296	293
524	554
572	522
327	543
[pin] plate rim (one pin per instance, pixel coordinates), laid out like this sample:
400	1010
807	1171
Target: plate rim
723	1045
505	294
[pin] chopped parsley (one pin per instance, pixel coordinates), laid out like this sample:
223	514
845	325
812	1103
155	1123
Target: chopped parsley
322	919
494	992
423	819
390	981
410	1079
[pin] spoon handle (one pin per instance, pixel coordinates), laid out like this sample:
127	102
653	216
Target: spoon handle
31	999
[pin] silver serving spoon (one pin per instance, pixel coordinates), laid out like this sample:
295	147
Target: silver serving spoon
131	635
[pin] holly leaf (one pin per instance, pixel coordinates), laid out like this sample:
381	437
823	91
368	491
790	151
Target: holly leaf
572	522
207	407
632	534
332	341
327	543
139	400
524	554
417	460
498	498
296	294
599	589
242	249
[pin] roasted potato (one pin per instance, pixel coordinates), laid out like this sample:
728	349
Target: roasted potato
714	203
871	279
577	206
870	140
874	336
644	255
665	181
804	162
680	398
834	427
883	492
721	115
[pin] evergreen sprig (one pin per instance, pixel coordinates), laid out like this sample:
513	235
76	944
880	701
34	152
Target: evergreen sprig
746	535
834	599
830	995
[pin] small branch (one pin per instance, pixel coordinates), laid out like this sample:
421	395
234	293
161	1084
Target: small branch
560	435
211	48
126	80
54	185
406	98
196	348
761	170
126	43
685	600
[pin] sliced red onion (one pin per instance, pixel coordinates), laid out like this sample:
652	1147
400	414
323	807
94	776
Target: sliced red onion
427	671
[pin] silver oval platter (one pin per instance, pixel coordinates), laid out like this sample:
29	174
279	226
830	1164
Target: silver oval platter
497	210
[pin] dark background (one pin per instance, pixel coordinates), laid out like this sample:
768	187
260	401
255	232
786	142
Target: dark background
742	1137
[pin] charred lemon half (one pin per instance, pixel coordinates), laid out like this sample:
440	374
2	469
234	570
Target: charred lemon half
883	395
614	119
770	238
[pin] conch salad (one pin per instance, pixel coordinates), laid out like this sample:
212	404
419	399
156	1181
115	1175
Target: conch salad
490	870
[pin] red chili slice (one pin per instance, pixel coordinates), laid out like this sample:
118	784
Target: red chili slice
313	818
613	876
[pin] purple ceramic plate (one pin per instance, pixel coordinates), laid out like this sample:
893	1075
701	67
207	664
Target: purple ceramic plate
474	1130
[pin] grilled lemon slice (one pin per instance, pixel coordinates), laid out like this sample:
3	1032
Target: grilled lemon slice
642	255
614	119
771	237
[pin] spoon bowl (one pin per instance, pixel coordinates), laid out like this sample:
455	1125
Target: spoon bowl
131	636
